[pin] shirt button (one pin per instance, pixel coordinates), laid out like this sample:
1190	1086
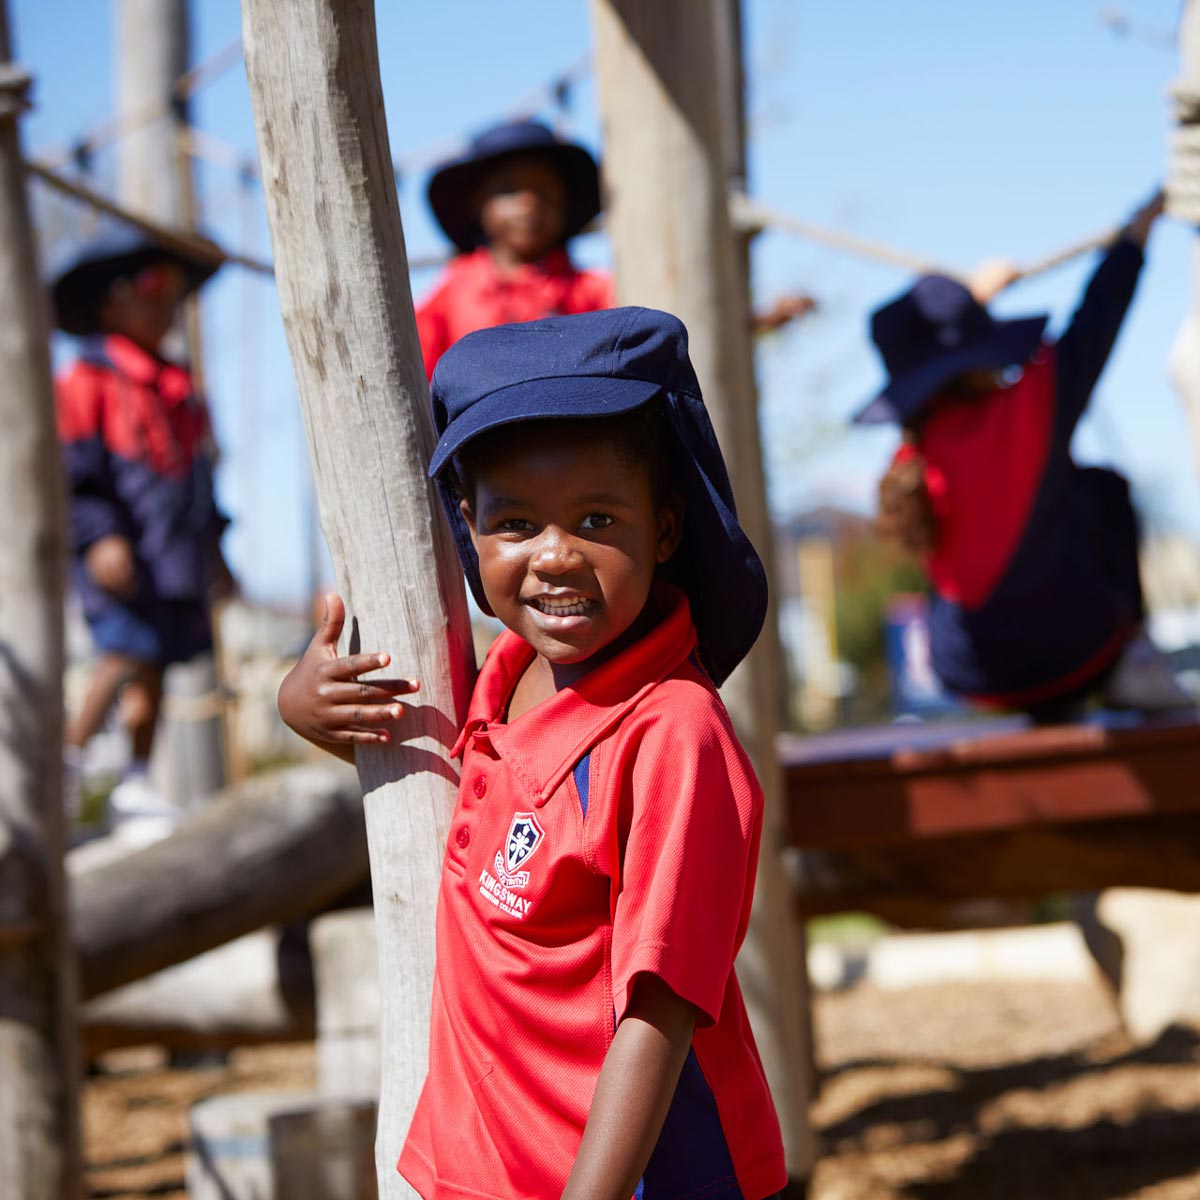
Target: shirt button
480	786
463	837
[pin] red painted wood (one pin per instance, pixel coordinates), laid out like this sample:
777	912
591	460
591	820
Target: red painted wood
1003	781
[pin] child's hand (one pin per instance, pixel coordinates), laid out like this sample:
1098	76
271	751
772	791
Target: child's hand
784	310
1138	229
991	277
109	561
323	700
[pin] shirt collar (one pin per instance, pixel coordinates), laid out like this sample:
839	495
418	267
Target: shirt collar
480	262
543	745
174	383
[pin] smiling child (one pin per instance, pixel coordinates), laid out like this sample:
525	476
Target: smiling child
588	1035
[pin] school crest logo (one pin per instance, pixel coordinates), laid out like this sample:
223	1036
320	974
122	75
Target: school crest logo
524	837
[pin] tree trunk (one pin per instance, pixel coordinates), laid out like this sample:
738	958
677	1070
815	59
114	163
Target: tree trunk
39	1138
341	267
669	77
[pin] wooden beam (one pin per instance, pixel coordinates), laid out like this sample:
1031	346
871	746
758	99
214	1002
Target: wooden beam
274	849
1011	781
909	882
341	267
39	1113
670	87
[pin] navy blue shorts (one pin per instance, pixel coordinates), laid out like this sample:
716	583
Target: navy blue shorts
159	632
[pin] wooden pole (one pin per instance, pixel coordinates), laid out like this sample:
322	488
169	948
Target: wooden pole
341	266
669	77
1183	201
39	1115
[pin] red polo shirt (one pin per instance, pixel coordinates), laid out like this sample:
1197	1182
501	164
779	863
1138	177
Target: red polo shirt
472	294
610	831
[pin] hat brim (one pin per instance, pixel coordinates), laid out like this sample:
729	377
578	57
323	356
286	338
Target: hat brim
78	292
452	190
715	564
1010	344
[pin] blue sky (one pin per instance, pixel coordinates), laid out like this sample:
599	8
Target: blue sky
956	131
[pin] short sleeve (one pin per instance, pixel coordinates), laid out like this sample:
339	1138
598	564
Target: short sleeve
432	327
693	811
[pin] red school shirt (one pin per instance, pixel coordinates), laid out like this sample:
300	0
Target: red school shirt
472	294
610	831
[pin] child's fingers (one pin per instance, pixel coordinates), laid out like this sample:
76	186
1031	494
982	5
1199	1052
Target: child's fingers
357	716
352	666
331	624
374	692
358	737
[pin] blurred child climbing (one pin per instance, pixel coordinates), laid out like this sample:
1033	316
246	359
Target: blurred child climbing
1032	559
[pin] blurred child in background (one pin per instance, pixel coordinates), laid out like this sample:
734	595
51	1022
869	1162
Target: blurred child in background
510	205
1032	560
144	524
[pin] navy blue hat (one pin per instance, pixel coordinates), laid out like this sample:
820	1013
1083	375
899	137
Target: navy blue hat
598	365
81	280
452	185
933	332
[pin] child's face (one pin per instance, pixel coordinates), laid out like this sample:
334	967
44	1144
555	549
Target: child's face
522	207
568	535
143	307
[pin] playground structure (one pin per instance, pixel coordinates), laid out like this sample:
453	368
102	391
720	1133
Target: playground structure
899	830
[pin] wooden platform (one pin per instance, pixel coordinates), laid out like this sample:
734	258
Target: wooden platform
897	818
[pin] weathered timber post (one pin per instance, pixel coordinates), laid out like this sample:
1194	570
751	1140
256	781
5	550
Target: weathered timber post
342	274
39	1115
1183	201
670	103
154	178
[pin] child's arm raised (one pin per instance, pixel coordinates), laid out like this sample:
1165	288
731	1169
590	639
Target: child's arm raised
323	700
634	1091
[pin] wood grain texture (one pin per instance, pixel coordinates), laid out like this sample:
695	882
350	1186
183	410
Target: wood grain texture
669	78
39	1144
341	267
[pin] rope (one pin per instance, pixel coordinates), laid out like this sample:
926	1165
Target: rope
749	216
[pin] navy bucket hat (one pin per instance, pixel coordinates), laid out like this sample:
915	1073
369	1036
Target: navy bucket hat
933	332
82	277
598	365
452	185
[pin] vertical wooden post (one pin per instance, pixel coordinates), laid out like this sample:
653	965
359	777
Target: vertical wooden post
39	1117
669	76
342	273
1183	201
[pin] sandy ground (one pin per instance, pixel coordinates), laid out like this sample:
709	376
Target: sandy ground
971	1092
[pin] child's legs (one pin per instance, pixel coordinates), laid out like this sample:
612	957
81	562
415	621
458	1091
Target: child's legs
111	673
140	705
1116	535
131	644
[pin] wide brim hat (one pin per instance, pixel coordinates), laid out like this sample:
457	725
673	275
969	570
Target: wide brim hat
600	365
933	333
82	279
452	184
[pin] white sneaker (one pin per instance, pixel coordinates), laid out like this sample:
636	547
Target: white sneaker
137	814
1143	679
